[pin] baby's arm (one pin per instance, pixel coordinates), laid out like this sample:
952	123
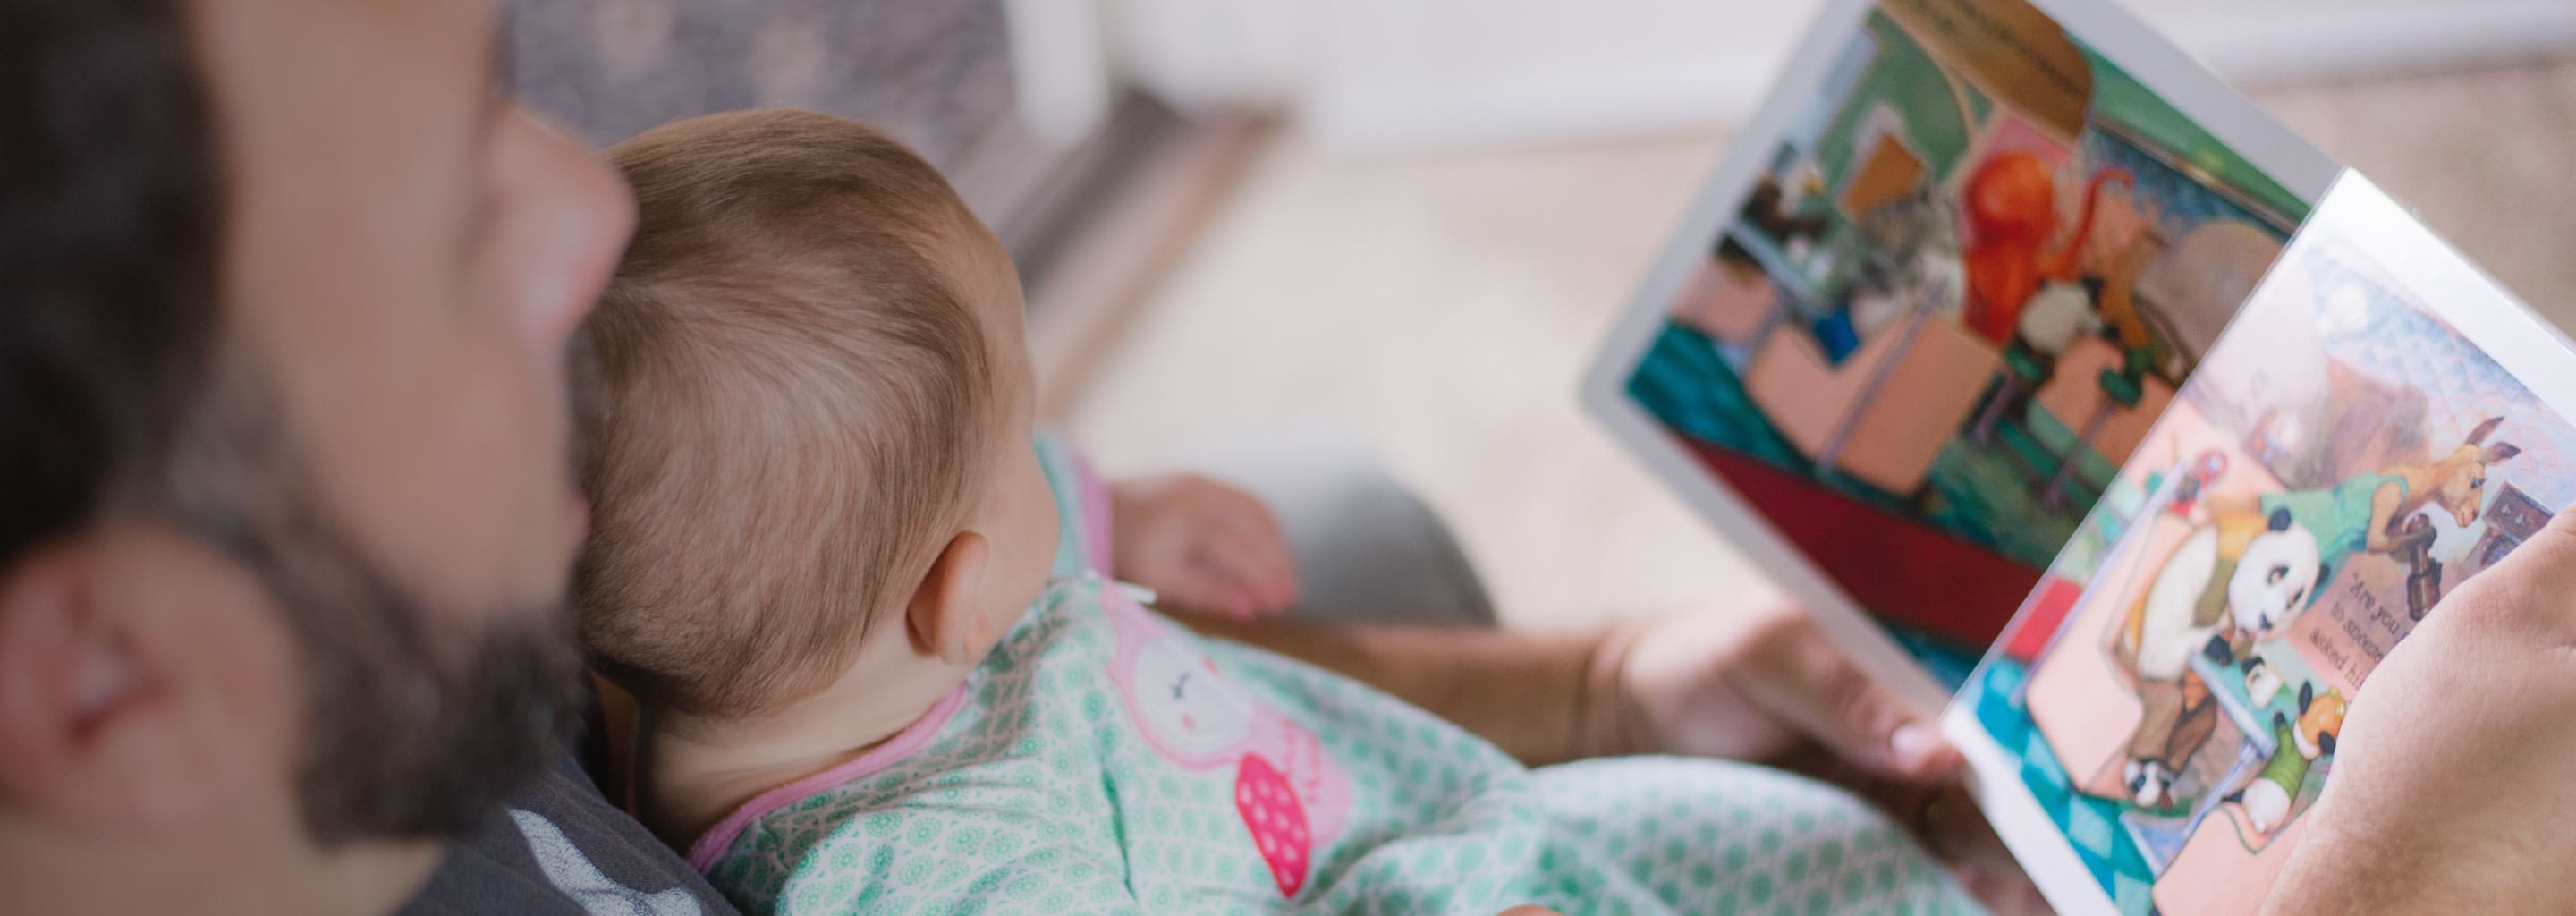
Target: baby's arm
1761	686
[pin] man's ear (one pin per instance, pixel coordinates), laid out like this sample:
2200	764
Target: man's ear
92	735
945	615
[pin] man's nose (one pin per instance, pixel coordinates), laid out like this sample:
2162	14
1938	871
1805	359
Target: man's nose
578	214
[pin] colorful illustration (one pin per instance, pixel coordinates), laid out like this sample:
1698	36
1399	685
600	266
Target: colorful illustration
1971	276
2174	688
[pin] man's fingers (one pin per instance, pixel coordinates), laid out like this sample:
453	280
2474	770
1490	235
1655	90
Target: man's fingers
2518	601
1200	590
1247	521
1245	599
1811	686
1945	819
1255	531
1257	564
1205	545
1955	830
2005	892
1185	578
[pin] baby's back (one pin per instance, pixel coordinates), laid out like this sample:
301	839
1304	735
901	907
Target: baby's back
1105	759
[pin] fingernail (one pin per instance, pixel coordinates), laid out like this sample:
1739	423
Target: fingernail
1913	746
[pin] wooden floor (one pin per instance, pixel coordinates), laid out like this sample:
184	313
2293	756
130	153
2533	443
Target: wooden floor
1441	307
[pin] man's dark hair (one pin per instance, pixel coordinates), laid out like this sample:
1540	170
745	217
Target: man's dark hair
117	396
110	213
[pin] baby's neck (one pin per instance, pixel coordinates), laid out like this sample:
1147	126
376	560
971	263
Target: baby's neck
692	771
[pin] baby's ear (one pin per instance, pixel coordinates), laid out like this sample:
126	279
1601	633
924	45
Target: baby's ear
945	615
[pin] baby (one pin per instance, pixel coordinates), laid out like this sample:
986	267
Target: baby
883	667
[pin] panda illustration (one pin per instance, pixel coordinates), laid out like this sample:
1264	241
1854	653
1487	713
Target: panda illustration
2237	580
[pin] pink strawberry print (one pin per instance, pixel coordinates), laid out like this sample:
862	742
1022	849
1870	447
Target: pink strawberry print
1276	818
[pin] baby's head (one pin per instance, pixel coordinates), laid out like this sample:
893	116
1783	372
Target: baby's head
811	449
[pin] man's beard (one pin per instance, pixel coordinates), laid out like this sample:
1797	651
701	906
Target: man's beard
417	723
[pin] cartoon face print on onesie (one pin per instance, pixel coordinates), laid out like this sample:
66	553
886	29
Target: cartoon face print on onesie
1291	796
1188	710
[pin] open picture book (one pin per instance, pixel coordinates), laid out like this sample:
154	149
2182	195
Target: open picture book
2089	408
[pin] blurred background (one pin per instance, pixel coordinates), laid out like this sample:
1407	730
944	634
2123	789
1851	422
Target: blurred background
1411	221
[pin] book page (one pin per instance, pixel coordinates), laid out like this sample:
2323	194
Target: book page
2379	425
1934	299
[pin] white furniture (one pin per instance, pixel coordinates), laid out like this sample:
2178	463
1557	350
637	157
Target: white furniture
1411	74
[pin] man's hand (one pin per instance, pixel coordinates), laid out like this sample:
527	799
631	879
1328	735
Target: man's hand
1201	545
2454	785
1770	688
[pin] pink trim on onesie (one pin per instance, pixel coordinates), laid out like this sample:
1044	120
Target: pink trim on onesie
712	844
1095	511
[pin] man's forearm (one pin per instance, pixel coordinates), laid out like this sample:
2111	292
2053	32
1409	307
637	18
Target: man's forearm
1533	695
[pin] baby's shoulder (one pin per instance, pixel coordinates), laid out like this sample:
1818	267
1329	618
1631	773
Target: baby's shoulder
928	812
1066	627
1046	689
1083	625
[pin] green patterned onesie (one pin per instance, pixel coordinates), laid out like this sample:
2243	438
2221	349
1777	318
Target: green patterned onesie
1106	760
